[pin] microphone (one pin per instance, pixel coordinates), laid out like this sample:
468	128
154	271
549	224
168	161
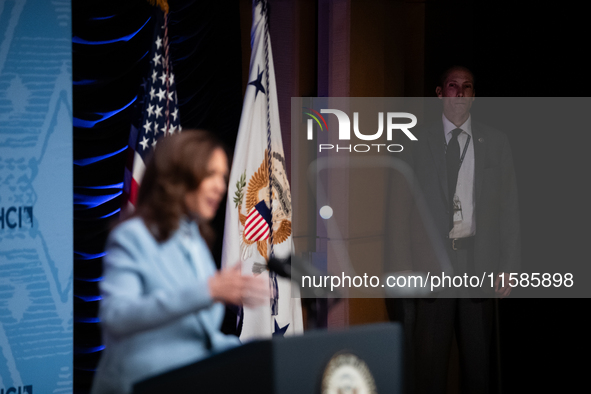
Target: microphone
281	267
302	267
295	268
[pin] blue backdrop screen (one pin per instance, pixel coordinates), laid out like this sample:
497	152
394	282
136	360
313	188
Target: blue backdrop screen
35	197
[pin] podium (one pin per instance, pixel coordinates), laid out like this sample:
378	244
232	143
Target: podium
356	356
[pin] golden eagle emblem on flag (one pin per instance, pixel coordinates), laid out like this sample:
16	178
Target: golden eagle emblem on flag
256	215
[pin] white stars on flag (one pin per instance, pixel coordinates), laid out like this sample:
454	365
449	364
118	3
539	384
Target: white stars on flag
156	105
160	116
156	59
161	94
162	78
144	143
148	126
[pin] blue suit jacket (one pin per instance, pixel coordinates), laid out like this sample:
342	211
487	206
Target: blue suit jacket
156	312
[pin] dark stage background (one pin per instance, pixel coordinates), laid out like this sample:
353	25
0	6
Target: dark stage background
352	48
521	50
515	50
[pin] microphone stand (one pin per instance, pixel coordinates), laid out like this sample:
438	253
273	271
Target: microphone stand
312	305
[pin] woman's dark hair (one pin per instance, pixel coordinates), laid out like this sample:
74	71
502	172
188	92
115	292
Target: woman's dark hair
177	166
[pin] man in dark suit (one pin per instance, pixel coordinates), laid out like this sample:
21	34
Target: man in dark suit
465	171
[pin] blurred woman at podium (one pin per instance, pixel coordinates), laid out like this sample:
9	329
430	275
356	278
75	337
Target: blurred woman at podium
162	297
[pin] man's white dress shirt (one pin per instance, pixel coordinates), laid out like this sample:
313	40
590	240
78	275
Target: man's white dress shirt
465	227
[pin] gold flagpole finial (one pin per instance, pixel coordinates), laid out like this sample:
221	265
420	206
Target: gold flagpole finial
163	4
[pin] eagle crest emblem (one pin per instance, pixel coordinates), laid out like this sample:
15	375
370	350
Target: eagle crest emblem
257	215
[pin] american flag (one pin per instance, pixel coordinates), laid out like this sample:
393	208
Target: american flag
159	110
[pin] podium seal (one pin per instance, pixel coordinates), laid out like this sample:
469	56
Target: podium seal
346	373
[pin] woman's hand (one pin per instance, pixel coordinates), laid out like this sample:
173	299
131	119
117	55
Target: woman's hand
231	287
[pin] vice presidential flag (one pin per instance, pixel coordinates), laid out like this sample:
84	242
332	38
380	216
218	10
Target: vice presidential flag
258	212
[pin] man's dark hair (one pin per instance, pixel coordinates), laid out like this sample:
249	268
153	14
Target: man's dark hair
448	71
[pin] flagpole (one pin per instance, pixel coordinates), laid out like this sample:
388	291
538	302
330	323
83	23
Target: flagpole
272	276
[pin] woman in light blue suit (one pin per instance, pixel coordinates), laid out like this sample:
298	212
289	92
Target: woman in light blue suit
162	297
